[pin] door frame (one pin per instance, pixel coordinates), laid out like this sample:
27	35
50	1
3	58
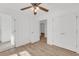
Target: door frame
44	21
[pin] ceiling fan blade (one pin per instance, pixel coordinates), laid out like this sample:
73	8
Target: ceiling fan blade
42	8
38	4
26	8
35	4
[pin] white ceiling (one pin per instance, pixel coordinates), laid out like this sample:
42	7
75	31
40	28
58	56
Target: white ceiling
56	8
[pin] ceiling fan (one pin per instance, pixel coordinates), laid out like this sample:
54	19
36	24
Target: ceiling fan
35	7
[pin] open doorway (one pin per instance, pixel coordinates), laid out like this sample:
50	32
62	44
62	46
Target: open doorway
43	31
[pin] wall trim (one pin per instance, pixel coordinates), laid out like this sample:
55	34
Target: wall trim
52	43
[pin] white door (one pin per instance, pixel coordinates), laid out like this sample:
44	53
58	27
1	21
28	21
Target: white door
34	31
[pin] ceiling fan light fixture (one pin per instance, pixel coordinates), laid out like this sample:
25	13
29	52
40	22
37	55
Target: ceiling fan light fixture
35	10
35	7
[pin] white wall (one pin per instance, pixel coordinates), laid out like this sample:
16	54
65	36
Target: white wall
0	29
27	29
61	30
65	31
5	32
5	28
64	34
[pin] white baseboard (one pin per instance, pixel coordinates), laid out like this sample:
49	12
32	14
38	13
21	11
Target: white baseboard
21	43
53	43
34	41
24	43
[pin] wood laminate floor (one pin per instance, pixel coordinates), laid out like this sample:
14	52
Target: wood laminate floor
38	49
